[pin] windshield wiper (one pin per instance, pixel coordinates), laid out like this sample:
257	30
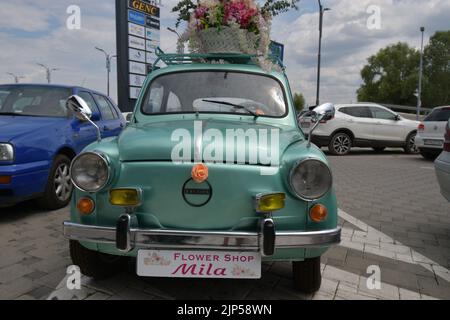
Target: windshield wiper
237	106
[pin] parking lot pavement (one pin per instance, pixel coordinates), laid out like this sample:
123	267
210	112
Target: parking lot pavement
392	214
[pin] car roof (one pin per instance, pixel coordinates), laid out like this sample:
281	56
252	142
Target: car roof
360	104
61	86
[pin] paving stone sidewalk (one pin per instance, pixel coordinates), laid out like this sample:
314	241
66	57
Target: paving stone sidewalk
393	217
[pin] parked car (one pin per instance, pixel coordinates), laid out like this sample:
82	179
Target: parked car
39	137
430	136
442	165
363	125
203	215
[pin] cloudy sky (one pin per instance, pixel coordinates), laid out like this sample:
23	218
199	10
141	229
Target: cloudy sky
34	31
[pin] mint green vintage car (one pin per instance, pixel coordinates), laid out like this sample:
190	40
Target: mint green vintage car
211	178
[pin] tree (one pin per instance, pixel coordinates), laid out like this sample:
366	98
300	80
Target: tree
391	76
299	102
436	90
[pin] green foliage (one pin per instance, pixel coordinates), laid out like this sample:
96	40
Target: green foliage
391	75
274	7
299	102
184	9
436	89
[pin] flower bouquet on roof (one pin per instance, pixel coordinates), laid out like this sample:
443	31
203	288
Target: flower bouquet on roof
229	26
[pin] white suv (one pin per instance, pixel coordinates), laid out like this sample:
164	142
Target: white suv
363	125
430	136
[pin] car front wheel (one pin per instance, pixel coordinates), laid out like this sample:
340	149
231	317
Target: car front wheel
59	187
411	147
95	264
307	276
340	144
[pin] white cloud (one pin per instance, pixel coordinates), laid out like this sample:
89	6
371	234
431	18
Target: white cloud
32	31
347	42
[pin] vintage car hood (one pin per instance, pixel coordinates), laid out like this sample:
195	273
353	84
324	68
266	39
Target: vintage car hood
158	141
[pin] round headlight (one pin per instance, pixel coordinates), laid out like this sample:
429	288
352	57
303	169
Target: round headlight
90	172
311	179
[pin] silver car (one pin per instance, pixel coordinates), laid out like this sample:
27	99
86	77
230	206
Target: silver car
442	165
430	134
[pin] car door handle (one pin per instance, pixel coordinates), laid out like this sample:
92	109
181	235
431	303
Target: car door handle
105	128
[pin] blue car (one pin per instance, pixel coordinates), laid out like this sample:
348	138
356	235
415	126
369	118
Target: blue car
39	137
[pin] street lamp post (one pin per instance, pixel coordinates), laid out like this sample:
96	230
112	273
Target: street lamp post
16	77
108	57
180	46
419	90
322	11
48	71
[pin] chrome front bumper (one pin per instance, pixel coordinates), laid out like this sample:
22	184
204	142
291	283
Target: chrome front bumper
203	240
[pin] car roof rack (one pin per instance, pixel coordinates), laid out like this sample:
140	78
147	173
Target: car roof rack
189	58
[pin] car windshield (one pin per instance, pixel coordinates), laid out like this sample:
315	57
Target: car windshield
35	101
441	114
215	92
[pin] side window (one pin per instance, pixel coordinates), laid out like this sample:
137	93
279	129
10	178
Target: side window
358	112
107	113
379	113
114	109
89	100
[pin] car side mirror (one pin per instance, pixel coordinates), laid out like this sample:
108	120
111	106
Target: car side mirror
79	107
397	118
82	112
324	112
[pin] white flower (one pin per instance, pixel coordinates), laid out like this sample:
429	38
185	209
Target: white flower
209	3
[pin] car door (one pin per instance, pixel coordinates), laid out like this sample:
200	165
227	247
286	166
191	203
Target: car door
85	133
387	125
359	121
111	124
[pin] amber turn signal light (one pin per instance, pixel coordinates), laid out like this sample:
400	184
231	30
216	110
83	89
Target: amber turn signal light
270	202
125	197
5	179
85	206
318	213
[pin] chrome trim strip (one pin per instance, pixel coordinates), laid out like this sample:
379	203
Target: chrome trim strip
208	240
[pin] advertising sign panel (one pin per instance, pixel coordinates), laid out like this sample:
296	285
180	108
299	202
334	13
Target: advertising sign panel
138	35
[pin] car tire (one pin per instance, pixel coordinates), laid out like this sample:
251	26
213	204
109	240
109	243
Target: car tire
340	144
429	155
306	275
379	149
95	264
59	188
410	147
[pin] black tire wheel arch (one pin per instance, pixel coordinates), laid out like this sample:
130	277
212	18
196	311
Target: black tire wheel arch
50	200
346	136
411	148
95	264
307	275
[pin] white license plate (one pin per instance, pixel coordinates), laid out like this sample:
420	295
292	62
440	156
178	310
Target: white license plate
429	142
199	264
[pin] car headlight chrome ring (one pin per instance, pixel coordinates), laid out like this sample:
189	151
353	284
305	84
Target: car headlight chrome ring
90	172
6	152
311	179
